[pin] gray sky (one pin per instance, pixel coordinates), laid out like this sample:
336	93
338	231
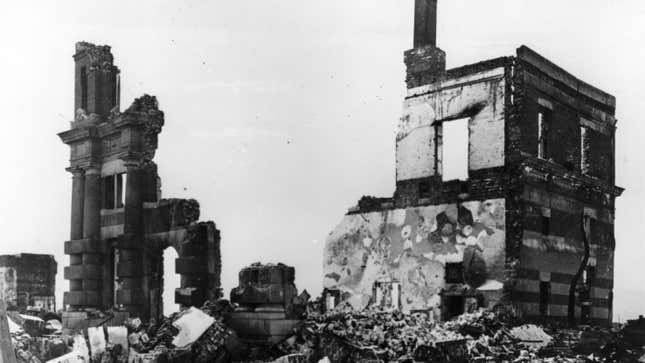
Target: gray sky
280	114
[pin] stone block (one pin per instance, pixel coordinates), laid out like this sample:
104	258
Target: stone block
257	326
82	298
129	269
89	272
96	338
75	320
189	296
130	296
190	266
82	246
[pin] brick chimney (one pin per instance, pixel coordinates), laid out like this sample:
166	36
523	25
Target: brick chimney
425	62
425	23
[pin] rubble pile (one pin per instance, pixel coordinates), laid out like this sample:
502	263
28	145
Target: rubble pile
35	340
483	336
202	338
339	335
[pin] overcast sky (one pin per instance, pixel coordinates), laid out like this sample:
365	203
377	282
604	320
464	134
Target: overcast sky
280	114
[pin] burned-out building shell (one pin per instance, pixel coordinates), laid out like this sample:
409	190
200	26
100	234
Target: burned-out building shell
505	190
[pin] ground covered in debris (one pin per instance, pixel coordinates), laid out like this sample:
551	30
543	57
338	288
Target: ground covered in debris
343	335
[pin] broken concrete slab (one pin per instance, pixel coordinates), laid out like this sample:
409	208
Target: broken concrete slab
531	336
191	325
96	337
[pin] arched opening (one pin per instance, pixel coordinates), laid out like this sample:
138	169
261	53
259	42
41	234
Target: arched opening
171	281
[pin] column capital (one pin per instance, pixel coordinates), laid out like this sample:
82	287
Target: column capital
76	170
93	170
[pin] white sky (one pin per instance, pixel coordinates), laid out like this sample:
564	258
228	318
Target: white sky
280	114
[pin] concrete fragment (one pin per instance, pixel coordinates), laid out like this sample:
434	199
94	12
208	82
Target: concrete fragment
54	325
118	335
13	327
96	337
191	326
79	353
531	336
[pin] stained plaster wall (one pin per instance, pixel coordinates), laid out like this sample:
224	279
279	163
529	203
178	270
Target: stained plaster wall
406	246
480	95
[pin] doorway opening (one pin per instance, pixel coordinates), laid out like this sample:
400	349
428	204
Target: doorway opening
171	281
453	306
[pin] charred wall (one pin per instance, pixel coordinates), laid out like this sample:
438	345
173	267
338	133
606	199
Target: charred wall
541	141
557	190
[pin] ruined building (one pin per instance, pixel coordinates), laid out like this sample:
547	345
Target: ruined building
28	281
119	223
504	193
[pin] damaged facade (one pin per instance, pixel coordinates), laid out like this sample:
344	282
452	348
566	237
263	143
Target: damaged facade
28	281
120	225
504	193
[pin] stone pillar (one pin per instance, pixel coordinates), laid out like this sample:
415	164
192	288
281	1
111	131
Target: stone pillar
130	268
92	204
76	227
78	194
90	269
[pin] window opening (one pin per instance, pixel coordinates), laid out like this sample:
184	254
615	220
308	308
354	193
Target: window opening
84	88
113	196
584	150
544	120
545	292
454	139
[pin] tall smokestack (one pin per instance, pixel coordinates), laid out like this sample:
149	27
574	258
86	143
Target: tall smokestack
425	63
425	23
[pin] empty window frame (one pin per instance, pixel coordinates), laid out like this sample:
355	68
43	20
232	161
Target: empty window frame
84	88
544	123
584	150
113	196
454	140
546	221
545	294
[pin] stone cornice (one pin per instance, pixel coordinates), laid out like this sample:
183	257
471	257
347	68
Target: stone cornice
77	134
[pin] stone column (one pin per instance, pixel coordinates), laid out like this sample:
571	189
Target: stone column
91	270
92	204
78	194
76	228
130	267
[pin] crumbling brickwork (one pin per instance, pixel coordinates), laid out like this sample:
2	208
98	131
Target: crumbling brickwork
28	281
120	225
540	148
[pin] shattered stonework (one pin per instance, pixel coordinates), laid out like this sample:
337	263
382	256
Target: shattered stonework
120	225
539	174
